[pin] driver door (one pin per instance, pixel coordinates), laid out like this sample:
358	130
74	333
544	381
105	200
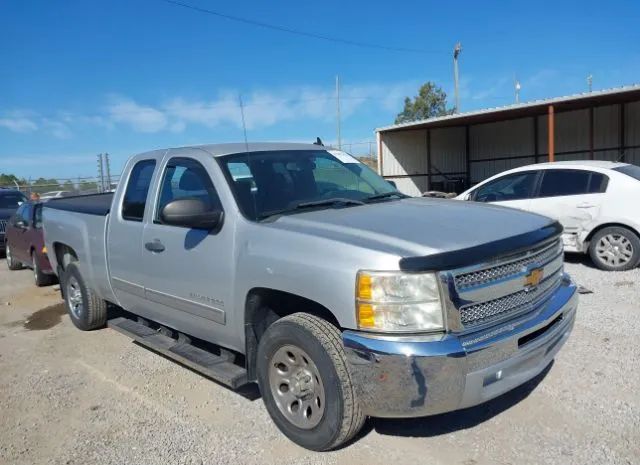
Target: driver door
513	190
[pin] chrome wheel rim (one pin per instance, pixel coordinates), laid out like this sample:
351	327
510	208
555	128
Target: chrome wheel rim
74	297
297	387
614	250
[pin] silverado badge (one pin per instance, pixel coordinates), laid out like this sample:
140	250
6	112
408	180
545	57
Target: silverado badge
533	278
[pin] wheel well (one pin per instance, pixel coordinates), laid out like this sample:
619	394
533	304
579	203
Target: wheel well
64	254
609	225
264	306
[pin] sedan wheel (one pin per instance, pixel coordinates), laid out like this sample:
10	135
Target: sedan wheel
12	263
615	249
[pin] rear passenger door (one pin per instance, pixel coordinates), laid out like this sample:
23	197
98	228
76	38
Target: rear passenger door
573	197
124	236
189	272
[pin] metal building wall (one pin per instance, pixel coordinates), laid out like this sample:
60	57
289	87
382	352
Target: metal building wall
632	132
493	147
404	153
503	145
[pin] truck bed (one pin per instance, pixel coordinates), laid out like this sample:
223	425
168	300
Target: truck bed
95	204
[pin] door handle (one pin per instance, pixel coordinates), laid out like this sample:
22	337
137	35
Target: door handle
155	246
585	205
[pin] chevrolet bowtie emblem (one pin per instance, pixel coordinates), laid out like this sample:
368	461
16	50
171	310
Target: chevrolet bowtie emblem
533	278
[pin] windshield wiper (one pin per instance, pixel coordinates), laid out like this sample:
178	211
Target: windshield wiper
312	204
385	195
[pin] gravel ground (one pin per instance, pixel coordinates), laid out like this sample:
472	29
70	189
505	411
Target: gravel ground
68	397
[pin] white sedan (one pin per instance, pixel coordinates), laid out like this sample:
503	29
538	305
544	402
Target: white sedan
595	201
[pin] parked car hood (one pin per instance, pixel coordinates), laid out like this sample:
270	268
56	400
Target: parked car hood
415	226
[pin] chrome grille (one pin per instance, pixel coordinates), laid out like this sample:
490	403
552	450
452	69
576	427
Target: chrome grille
488	275
499	290
3	226
512	303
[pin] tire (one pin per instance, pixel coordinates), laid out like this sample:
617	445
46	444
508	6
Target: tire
337	417
615	248
39	277
12	263
86	310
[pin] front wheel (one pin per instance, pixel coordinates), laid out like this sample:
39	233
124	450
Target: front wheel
305	382
615	249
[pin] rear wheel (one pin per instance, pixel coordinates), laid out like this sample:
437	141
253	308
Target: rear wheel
12	263
305	382
615	249
86	309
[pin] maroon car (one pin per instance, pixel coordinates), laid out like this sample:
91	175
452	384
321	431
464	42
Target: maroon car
25	243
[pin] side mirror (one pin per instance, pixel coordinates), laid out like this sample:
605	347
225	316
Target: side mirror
393	183
191	213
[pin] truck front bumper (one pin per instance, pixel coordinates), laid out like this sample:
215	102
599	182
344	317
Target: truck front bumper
413	376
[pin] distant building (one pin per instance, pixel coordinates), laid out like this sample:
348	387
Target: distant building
451	152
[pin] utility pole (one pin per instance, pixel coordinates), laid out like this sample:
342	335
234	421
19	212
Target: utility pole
456	52
108	167
590	82
517	87
338	111
100	174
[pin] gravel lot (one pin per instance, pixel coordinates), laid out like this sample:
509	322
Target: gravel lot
68	397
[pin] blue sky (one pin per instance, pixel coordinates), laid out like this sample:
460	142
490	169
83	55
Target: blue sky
79	77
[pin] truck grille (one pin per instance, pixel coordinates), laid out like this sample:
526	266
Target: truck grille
3	226
487	294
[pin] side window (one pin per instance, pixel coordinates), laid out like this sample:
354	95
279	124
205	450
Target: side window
25	216
17	216
515	186
37	216
185	178
135	197
557	183
598	183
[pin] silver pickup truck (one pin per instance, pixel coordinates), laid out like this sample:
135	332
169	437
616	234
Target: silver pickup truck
299	268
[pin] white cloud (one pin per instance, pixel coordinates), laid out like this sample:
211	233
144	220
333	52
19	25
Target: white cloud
57	129
18	124
142	118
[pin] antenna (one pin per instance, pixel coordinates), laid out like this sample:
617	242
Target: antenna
338	111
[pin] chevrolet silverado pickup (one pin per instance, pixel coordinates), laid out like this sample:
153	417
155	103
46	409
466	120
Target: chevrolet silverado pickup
299	268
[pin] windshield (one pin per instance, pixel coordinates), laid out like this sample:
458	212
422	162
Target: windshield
630	170
271	182
11	199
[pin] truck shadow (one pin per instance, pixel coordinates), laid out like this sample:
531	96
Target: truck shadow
445	423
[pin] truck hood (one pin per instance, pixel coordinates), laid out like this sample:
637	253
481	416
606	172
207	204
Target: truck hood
417	227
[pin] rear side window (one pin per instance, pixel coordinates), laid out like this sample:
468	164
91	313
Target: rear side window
37	216
557	183
135	197
185	178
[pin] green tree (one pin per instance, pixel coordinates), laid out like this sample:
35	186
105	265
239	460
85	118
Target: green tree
431	101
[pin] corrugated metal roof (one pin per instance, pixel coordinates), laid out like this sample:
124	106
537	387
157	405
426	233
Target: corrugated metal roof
514	107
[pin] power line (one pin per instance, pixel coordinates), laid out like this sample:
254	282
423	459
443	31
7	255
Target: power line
279	28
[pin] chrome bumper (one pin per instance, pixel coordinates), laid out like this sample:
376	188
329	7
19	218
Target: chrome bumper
412	376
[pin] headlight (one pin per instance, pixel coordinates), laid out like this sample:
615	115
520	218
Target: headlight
398	302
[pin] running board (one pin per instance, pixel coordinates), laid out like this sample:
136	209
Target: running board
217	367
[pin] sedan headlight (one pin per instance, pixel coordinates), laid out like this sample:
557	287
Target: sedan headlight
398	302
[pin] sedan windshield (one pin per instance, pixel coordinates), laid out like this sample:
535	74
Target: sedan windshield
11	199
277	182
